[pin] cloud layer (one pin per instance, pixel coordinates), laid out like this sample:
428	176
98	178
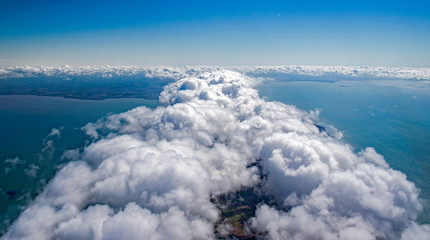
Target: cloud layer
180	72
152	173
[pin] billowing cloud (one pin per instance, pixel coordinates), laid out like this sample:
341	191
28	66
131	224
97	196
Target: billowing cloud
152	173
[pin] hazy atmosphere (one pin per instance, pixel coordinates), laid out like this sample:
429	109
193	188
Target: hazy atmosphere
364	33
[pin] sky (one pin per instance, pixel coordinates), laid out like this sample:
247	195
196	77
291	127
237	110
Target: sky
364	33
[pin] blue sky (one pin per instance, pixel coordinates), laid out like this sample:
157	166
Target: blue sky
373	33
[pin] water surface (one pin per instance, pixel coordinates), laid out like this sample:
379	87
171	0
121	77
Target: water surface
393	117
30	152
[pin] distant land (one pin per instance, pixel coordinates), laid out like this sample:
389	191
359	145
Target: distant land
104	82
86	88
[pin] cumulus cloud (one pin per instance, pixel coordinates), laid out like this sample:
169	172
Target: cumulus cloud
66	71
416	232
346	71
152	173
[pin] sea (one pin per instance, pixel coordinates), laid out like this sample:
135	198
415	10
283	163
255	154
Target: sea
391	116
35	132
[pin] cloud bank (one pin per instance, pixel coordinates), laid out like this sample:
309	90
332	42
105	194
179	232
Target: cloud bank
152	173
66	71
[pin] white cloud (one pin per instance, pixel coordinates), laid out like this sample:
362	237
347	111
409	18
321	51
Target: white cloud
66	72
152	172
14	161
416	232
350	71
55	132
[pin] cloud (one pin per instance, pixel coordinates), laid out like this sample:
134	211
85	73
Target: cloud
11	164
151	173
416	232
14	161
55	132
106	72
342	71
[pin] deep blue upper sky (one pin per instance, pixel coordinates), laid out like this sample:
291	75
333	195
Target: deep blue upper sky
387	33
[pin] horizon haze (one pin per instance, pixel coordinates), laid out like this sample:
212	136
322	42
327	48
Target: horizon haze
359	33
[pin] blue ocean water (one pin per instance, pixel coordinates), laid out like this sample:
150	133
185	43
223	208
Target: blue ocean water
29	155
393	117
